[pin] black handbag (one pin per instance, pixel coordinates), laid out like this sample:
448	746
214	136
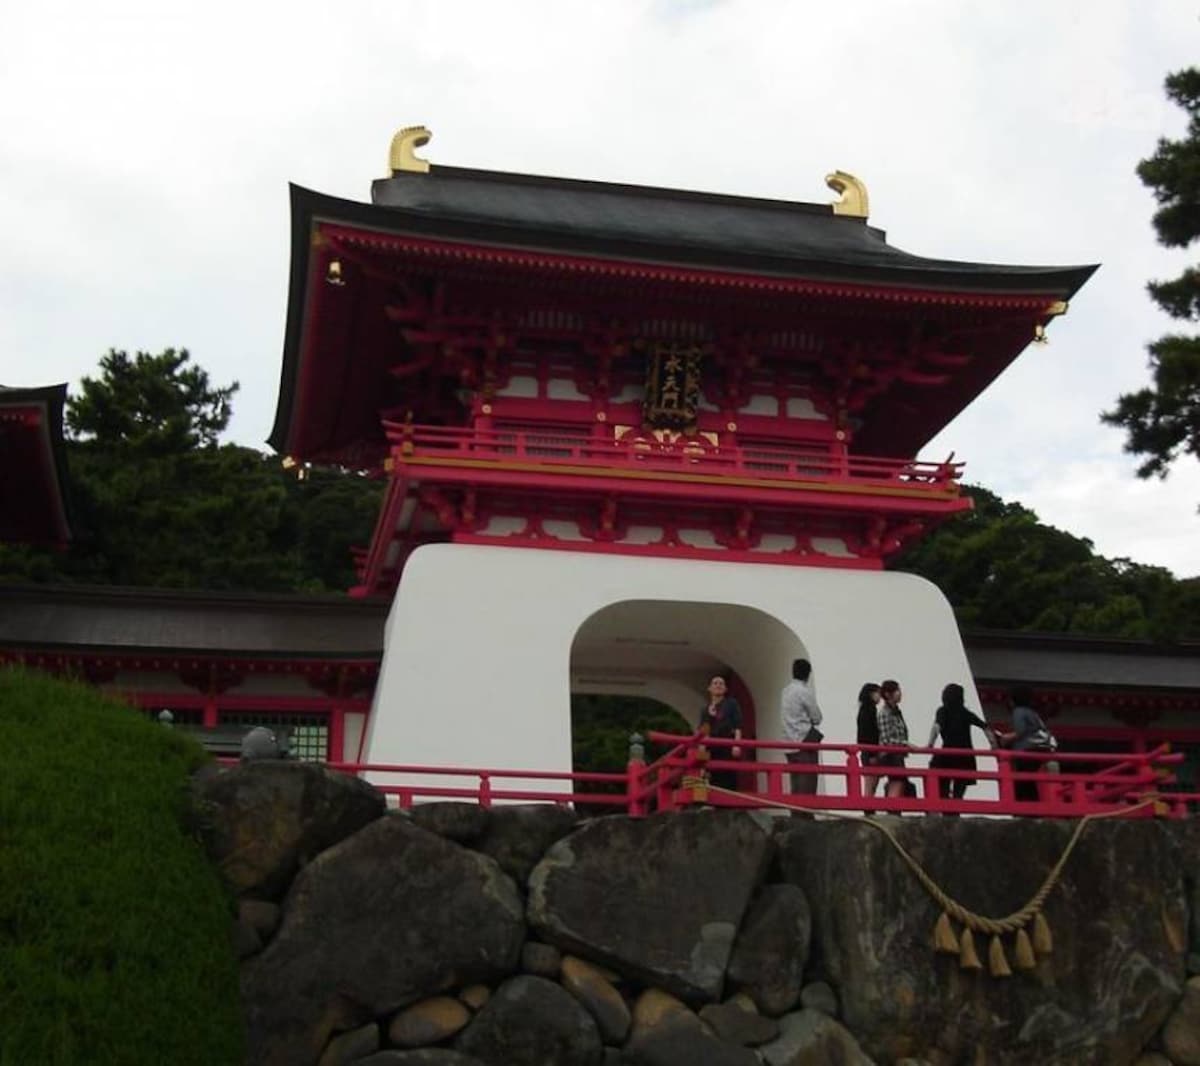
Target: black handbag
813	736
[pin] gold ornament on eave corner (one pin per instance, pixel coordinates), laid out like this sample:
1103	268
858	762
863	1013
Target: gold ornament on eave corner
403	157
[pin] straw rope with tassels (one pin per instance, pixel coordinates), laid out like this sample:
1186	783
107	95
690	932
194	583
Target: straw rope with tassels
1026	949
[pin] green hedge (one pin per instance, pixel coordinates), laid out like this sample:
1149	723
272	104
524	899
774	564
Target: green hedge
114	929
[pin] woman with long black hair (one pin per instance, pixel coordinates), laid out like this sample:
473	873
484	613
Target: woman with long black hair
953	723
868	733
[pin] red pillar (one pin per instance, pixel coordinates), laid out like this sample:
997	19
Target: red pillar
337	735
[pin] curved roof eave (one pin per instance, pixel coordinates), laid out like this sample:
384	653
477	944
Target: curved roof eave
657	226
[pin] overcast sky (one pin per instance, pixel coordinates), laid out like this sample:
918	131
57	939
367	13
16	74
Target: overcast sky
147	148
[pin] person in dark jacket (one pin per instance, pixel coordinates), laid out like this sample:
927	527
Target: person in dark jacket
868	732
722	718
953	724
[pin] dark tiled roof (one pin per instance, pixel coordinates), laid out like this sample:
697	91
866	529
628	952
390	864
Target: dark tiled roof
676	226
1096	662
96	618
665	228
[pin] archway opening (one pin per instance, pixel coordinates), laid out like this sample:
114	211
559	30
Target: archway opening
667	651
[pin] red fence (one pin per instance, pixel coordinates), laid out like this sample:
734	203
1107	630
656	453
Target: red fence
1061	784
549	448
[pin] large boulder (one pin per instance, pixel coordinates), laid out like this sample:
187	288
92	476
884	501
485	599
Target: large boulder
1186	834
658	899
463	823
388	917
261	821
518	835
1117	916
532	1022
771	949
1181	1034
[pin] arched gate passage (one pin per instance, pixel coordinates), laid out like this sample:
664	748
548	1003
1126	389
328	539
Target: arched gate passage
667	650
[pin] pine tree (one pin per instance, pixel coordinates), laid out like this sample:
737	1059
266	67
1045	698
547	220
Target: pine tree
1162	422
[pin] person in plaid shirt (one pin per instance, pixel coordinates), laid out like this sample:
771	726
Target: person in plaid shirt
893	730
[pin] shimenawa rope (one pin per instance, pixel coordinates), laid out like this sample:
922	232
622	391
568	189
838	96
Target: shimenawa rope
1025	949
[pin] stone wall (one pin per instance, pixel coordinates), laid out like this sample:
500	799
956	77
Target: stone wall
522	936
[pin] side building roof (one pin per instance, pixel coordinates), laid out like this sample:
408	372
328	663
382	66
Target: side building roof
81	620
34	501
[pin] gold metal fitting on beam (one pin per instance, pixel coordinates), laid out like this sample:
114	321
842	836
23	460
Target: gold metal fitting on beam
333	273
1039	334
288	462
403	152
1059	307
854	202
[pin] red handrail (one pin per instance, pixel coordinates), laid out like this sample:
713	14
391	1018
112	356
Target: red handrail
1129	777
677	779
551	449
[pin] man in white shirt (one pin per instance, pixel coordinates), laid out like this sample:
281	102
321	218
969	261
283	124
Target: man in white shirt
800	717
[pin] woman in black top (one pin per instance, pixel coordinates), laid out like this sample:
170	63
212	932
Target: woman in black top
953	722
722	718
868	732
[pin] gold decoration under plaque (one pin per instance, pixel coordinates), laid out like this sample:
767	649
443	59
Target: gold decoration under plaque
672	386
854	201
403	154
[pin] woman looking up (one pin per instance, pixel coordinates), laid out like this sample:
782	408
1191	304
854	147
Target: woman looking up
722	718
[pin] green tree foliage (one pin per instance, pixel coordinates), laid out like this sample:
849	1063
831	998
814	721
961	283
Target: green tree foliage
601	726
1162	422
150	404
1003	569
157	501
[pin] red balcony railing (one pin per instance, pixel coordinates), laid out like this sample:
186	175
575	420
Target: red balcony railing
572	453
1067	785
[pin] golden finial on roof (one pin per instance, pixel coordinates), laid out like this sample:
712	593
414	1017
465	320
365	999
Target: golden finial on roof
402	156
854	200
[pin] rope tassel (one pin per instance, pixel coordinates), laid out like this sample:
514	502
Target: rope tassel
997	960
1043	942
967	958
944	940
1023	956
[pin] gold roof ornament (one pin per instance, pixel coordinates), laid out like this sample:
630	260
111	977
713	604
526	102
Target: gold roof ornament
854	202
1058	307
403	152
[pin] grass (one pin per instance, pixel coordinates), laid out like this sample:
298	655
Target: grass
114	929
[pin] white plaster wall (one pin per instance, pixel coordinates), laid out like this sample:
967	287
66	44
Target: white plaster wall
476	668
352	735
